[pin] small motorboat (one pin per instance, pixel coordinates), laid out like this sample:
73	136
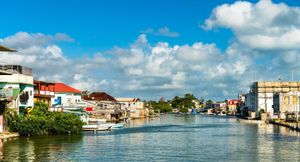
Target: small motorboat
118	125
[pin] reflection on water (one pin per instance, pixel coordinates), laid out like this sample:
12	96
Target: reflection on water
39	148
168	138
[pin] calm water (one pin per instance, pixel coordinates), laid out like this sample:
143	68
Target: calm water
168	138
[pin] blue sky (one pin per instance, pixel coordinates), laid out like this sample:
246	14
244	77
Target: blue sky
101	30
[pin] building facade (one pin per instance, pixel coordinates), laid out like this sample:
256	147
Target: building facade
16	87
135	106
260	97
44	92
101	105
286	102
65	96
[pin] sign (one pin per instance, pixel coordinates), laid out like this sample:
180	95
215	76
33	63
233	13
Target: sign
89	109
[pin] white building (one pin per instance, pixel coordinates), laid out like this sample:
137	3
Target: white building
65	96
261	95
16	87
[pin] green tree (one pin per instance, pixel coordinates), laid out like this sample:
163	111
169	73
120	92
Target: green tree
184	102
40	122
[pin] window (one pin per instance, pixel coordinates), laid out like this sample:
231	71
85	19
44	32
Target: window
295	100
286	100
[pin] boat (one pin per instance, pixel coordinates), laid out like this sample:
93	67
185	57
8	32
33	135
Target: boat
118	125
102	127
89	127
98	127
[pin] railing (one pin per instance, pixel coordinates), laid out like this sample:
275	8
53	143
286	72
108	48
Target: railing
16	69
49	93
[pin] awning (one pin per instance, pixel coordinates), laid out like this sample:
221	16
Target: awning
6	49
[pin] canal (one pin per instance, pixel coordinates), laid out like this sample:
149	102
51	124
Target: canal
167	138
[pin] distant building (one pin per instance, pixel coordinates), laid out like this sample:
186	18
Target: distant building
16	87
232	105
135	106
102	105
44	92
65	96
219	105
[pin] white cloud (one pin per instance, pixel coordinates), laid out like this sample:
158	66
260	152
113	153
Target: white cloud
164	31
265	45
264	25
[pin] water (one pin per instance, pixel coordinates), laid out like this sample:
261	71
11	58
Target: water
168	138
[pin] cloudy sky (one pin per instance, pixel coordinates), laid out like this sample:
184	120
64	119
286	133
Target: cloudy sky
149	49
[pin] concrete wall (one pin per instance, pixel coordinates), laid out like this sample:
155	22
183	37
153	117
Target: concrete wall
287	102
17	78
67	99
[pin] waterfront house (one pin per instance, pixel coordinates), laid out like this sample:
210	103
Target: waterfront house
16	87
44	92
65	96
232	105
103	106
135	106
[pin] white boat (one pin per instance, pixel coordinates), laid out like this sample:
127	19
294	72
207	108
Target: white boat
89	127
102	127
118	125
97	127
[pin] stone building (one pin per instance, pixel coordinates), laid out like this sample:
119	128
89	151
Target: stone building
260	97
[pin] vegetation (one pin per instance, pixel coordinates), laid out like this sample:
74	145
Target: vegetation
161	106
184	103
39	121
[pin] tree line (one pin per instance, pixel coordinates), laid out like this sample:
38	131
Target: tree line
183	103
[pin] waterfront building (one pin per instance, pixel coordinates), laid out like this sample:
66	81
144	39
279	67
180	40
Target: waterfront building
232	105
65	96
286	103
103	106
44	92
219	105
260	97
16	87
135	106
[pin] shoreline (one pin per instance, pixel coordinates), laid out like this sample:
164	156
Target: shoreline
6	136
291	126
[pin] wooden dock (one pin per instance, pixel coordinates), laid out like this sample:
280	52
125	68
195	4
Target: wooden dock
8	136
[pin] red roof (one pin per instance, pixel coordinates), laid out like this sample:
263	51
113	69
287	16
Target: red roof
61	87
100	96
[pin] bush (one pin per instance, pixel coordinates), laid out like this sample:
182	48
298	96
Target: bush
42	122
